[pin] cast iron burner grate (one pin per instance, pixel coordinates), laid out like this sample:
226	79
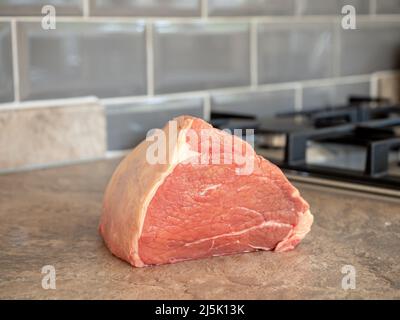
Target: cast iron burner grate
366	122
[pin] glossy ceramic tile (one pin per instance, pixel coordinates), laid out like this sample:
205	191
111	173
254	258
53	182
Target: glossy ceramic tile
250	7
128	123
330	7
371	47
333	95
199	56
260	104
296	51
160	8
6	70
34	7
388	6
77	59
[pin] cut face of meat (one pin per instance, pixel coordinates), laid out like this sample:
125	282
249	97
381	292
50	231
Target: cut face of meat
201	211
164	213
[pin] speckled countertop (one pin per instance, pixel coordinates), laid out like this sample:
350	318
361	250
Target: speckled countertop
50	217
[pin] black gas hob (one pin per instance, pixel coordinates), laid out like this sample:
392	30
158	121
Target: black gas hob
355	144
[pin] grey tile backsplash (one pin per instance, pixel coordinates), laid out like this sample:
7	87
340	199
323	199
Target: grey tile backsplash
388	6
333	94
128	123
34	7
251	7
158	8
260	103
283	7
293	52
259	57
102	59
192	8
330	7
6	68
200	56
371	47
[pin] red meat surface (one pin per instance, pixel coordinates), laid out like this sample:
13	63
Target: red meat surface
164	213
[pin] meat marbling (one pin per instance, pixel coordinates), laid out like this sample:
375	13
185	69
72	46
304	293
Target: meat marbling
164	213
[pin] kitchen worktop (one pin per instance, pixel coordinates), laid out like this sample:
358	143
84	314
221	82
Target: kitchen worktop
50	217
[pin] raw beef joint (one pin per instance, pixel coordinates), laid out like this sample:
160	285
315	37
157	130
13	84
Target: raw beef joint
192	206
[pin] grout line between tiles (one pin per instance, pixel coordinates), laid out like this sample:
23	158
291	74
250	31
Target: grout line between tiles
53	103
150	59
129	99
298	98
207	107
86	8
374	85
204	9
152	108
15	61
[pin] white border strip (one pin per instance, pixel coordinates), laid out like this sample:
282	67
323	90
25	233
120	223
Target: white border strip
298	98
166	97
49	103
85	8
15	60
137	107
207	107
204	9
374	86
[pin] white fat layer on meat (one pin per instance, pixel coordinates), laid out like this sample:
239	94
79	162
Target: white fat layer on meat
298	232
250	210
260	248
209	187
181	153
243	188
270	223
